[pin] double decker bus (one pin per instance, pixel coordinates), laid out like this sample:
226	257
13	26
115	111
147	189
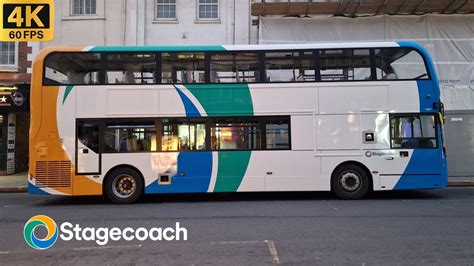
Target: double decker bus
342	117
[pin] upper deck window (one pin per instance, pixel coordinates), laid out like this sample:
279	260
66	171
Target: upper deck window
345	64
72	68
130	68
182	67
399	63
289	66
232	67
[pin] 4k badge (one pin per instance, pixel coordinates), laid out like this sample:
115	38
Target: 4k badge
27	20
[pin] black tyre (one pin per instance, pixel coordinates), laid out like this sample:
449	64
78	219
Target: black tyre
350	181
124	186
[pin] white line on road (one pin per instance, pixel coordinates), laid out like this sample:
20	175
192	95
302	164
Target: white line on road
236	242
4	252
273	251
107	247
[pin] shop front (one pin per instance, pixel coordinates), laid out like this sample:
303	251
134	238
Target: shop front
14	127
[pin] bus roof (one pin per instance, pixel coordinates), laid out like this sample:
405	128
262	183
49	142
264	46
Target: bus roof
293	46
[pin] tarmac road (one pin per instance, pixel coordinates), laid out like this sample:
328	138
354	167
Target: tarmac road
413	227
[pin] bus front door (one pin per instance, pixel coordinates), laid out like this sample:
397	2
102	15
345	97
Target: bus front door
87	147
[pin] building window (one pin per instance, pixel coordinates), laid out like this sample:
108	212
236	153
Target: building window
166	9
83	7
8	52
208	10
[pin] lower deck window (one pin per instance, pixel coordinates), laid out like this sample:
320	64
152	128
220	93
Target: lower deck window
413	131
190	134
183	136
235	135
130	137
277	134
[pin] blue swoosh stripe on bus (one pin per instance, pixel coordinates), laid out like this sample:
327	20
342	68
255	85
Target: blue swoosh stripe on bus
189	107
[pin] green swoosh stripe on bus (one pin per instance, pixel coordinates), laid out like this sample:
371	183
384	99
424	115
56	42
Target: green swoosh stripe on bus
226	100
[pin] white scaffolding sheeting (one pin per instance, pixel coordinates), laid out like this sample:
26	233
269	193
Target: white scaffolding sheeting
449	38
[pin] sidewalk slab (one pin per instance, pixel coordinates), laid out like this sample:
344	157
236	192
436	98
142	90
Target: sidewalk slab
14	183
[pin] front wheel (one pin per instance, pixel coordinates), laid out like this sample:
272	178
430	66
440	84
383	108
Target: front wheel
350	181
123	186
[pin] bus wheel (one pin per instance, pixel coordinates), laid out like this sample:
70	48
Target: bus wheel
350	181
124	185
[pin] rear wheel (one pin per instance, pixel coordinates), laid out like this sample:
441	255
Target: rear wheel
350	181
124	185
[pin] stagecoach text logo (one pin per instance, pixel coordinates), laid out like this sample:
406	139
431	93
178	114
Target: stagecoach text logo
67	231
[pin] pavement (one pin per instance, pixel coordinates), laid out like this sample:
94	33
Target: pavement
19	181
432	227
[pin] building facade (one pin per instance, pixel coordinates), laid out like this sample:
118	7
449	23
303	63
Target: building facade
14	106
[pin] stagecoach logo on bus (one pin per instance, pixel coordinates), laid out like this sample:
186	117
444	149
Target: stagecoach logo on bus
101	235
379	153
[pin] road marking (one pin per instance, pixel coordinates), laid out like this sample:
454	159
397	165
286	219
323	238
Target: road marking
13	206
4	252
236	242
107	247
273	251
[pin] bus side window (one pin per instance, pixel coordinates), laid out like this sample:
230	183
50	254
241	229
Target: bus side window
413	131
242	67
88	135
289	66
345	64
72	68
399	63
128	68
183	67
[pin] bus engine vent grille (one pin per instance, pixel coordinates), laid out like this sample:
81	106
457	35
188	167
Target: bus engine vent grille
53	174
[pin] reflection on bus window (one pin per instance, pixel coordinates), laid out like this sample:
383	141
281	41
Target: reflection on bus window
413	131
183	135
235	135
130	137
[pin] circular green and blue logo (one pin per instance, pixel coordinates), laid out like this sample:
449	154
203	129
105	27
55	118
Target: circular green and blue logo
40	243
